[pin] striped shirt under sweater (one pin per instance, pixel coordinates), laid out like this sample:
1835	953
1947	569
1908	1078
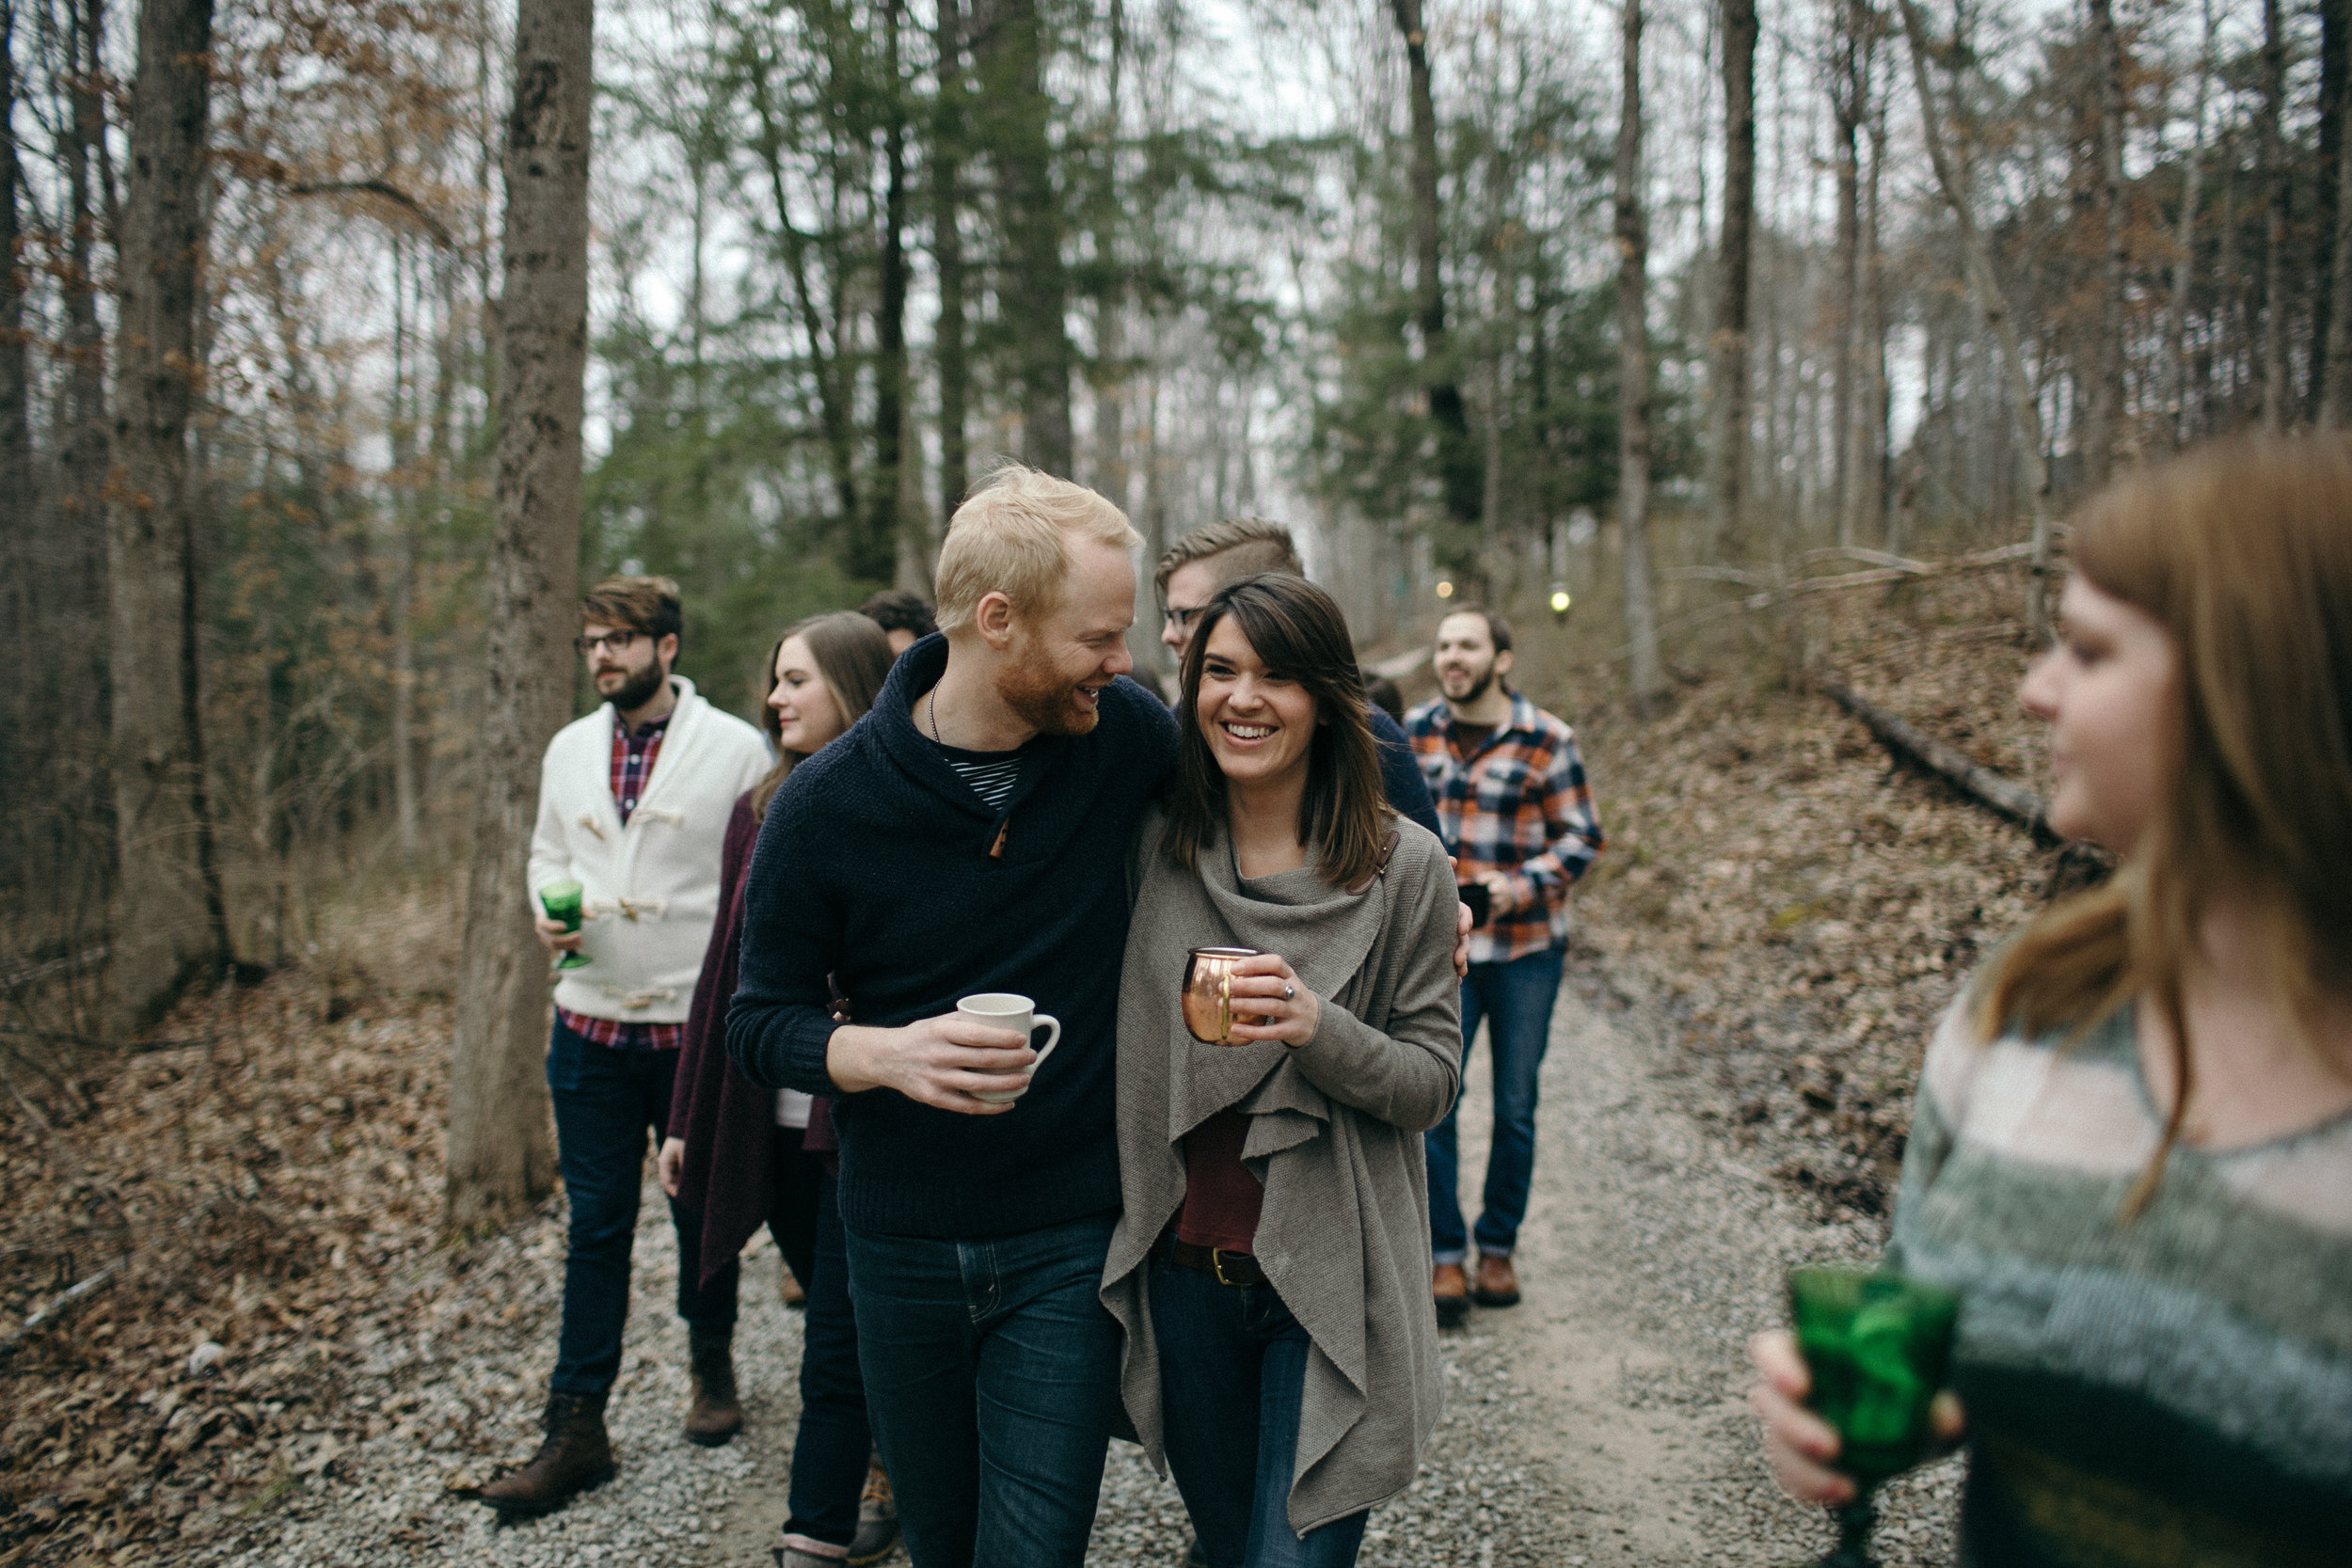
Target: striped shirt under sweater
2175	1390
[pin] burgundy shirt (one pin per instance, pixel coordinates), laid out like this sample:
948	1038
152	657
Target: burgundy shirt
1222	1201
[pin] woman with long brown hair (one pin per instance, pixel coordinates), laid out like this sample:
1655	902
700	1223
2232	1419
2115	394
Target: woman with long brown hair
2132	1151
1271	1266
735	1155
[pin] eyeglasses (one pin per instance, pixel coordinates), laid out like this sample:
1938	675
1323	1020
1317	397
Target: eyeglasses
619	642
1183	619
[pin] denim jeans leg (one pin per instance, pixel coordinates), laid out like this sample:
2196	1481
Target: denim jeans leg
1282	1390
918	1351
601	1114
828	1452
1518	1028
1449	1232
1209	1396
1047	1391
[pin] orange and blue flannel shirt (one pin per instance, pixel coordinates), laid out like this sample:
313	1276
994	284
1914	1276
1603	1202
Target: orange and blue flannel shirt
1518	804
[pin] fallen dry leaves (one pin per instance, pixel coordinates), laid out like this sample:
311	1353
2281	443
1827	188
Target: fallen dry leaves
1801	906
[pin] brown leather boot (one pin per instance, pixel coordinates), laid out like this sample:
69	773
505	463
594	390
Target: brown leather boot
1451	1286
1497	1285
714	1416
575	1457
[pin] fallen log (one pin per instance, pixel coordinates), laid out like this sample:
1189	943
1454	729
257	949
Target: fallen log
2003	796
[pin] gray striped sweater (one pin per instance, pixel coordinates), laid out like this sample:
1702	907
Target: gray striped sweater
2177	1390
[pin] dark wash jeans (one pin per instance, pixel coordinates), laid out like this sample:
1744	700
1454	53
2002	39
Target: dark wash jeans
1514	999
829	1454
608	1102
991	1376
1233	1370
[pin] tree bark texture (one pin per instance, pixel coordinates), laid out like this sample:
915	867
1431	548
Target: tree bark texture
2107	433
1034	292
877	556
2184	253
1727	451
2329	300
2271	116
1461	475
1847	110
947	332
170	919
501	1155
1633	396
1992	304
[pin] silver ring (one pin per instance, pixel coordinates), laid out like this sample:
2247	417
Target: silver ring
1289	993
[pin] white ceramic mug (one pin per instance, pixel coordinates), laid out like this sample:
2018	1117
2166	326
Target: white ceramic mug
1005	1009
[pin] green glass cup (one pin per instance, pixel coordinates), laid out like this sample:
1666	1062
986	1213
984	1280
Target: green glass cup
562	902
1876	1344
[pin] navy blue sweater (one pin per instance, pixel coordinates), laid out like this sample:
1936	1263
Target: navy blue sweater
1401	777
874	866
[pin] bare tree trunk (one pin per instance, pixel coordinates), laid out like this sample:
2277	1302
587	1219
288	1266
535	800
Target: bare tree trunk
1641	600
1459	471
172	919
501	1155
2107	433
2329	300
1727	451
1110	300
2335	404
1009	50
2272	113
401	428
878	555
16	429
1992	304
1848	111
947	333
2184	252
1874	435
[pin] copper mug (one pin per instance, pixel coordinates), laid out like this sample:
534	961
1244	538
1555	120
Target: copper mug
1209	992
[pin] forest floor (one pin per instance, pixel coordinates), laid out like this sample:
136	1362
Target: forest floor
290	1366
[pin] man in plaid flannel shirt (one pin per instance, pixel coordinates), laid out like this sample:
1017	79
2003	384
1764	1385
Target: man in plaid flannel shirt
1517	814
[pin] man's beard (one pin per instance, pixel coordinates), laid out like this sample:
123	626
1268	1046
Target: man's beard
1033	689
1478	687
639	689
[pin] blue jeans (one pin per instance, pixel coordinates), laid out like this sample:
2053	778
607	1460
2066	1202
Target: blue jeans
608	1102
829	1454
991	1376
1233	1369
1514	999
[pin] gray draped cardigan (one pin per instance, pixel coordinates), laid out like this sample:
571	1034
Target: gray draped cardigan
1334	1137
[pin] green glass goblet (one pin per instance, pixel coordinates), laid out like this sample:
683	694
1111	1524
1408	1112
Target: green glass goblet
1876	1344
562	902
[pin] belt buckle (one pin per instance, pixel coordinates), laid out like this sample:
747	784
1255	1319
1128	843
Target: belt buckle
1216	1267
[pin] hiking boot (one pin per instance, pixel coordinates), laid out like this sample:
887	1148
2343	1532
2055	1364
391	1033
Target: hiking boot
1448	1283
877	1518
714	1416
1497	1285
575	1457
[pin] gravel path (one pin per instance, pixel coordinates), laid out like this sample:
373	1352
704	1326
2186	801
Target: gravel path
1599	1423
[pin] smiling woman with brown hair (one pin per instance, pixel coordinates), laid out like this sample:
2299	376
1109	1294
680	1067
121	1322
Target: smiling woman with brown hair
2132	1152
1269	1268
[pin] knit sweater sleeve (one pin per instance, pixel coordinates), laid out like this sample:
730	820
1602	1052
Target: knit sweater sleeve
1408	1073
781	1021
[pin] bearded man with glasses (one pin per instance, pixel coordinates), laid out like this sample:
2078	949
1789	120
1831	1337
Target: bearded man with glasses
634	805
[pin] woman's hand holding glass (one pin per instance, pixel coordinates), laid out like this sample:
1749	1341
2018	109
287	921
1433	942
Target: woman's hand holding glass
1800	1446
1272	1003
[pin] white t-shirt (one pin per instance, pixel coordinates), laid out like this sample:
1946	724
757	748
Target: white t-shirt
792	1108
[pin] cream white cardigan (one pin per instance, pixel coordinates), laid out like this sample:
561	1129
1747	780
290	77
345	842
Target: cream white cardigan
652	887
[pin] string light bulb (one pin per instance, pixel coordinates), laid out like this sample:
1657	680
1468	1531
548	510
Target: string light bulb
1445	588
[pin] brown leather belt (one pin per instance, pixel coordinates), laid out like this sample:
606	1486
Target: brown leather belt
1231	1268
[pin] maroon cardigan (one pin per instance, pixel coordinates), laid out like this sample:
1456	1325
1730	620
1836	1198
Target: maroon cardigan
729	1122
